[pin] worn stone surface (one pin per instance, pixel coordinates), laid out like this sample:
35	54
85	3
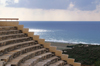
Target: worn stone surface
17	49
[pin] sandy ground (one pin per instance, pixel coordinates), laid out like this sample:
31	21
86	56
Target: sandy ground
60	46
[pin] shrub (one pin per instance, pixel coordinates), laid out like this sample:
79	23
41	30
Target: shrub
86	55
97	63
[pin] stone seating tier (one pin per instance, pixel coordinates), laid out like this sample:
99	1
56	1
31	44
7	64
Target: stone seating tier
18	47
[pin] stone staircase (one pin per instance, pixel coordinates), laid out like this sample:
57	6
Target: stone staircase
19	47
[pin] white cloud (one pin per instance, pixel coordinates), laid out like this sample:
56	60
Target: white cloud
2	2
16	1
71	5
50	15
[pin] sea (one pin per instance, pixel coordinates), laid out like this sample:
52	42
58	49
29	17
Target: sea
85	32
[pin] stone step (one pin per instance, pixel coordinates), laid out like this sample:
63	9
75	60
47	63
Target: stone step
47	62
68	65
2	63
22	58
13	54
7	32
59	63
15	40
7	28
11	47
11	36
36	59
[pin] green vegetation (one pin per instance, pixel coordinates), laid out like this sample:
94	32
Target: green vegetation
97	63
85	54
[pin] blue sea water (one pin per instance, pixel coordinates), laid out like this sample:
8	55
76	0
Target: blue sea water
87	32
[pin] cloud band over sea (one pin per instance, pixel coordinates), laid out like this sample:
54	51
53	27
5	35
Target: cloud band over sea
51	10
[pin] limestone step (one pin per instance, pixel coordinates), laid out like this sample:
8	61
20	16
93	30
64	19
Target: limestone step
8	28
11	47
10	36
34	60
10	32
2	63
17	49
21	59
68	65
47	62
15	40
59	63
13	54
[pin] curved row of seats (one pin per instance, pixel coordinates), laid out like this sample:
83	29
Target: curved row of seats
17	49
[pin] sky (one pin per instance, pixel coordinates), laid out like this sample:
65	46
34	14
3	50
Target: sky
51	10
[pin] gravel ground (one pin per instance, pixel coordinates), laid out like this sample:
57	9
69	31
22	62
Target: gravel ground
61	46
